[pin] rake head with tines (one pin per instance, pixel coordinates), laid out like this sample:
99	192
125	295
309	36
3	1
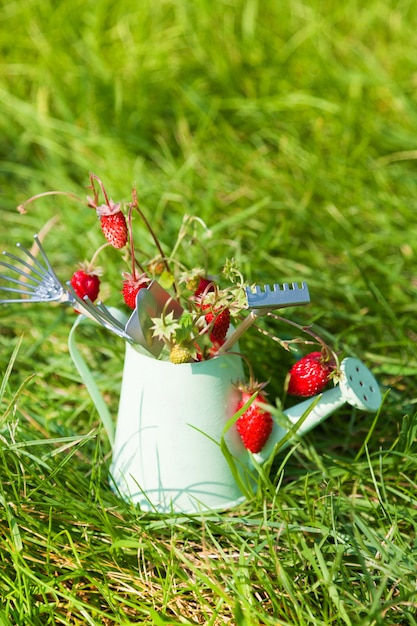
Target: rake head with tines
262	300
277	296
38	283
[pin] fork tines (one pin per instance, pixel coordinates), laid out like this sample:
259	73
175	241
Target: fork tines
38	284
277	296
99	313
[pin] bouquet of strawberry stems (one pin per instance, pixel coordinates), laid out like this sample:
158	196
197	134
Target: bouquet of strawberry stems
176	313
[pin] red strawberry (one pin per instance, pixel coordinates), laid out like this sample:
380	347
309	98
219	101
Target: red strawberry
113	223
131	286
309	375
219	320
86	283
115	229
204	284
255	424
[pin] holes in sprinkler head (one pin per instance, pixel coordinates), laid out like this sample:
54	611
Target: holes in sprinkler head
359	386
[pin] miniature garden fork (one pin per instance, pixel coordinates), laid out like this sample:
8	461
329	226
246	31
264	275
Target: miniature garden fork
36	281
40	284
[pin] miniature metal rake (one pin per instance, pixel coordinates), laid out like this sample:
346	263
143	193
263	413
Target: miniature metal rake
262	300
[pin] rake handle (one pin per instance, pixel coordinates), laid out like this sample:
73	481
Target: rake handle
242	328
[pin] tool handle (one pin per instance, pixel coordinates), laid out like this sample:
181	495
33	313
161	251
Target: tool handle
89	381
238	332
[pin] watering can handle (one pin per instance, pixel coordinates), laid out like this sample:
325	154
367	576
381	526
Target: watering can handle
88	380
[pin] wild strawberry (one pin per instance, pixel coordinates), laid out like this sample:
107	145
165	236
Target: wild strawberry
114	229
192	283
219	321
255	424
113	223
204	285
86	283
180	354
131	286
309	375
156	266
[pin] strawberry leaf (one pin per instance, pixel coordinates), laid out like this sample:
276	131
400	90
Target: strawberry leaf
185	327
165	327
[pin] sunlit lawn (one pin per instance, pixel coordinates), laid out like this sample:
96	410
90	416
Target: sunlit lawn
290	129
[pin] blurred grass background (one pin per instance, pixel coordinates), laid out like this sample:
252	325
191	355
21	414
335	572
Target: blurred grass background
290	128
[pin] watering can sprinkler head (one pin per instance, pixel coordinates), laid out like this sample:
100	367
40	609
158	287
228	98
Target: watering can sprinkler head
357	387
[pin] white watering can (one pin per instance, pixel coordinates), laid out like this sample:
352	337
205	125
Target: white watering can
166	449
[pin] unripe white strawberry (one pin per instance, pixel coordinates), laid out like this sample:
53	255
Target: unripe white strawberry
180	354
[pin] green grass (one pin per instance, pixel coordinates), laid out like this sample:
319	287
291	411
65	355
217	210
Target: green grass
290	128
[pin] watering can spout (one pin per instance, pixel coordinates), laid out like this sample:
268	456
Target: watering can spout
357	387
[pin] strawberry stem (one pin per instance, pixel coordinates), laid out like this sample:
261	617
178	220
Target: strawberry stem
329	354
94	177
132	246
135	205
252	380
97	252
253	386
21	207
284	343
186	222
